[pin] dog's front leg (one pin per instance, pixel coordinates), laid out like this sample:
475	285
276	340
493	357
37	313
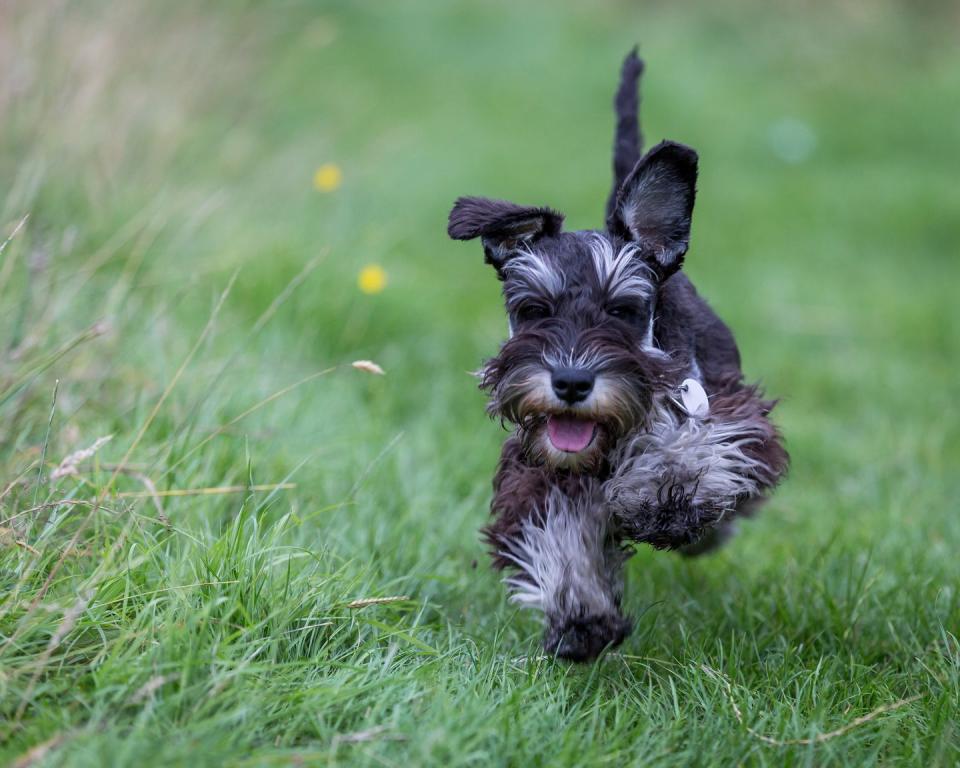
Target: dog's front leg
667	513
569	566
684	480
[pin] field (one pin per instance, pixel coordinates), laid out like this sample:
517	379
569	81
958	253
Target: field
268	556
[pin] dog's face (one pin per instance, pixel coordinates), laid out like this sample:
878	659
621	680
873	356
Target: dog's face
581	365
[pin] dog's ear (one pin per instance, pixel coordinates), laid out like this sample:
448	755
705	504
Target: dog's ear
655	204
502	226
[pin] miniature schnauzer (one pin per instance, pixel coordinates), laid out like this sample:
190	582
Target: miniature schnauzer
632	422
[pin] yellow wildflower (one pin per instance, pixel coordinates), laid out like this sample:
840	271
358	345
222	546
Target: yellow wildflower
327	177
372	279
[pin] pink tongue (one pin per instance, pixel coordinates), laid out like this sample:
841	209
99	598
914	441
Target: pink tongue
568	433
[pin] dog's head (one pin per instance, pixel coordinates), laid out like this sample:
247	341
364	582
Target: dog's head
581	365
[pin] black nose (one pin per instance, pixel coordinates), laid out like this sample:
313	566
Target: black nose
572	384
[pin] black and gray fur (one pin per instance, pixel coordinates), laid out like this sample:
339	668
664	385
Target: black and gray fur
604	328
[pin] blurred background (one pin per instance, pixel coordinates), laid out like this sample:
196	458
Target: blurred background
258	192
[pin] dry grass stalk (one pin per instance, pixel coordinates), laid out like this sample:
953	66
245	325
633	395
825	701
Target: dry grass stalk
365	601
40	751
154	496
16	229
8	534
358	737
68	466
213	491
369	366
69	621
150	687
819	738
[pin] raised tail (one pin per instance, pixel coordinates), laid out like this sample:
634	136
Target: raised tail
627	140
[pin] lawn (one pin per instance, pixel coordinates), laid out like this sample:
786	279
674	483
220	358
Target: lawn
266	556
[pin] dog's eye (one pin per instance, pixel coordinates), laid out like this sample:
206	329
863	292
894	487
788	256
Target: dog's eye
530	312
624	312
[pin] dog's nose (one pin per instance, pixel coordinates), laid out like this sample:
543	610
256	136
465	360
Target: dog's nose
572	384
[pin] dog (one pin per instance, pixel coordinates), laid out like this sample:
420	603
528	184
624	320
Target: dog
631	421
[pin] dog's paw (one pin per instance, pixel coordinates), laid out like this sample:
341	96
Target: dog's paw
582	638
654	496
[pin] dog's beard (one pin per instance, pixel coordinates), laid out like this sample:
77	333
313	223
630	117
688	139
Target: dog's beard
574	437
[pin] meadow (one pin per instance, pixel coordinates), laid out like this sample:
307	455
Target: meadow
223	544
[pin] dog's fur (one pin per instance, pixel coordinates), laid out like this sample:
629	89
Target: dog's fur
612	307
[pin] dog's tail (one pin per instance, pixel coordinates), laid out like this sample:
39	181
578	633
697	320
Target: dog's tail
627	141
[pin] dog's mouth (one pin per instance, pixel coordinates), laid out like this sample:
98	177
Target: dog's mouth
570	434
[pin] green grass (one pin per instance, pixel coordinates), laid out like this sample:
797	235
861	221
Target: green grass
164	153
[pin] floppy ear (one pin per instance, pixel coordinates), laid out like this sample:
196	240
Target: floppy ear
655	204
502	226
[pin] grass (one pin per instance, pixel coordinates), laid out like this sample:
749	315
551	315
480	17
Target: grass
274	560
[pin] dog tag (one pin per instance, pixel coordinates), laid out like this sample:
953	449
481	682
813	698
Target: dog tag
694	399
